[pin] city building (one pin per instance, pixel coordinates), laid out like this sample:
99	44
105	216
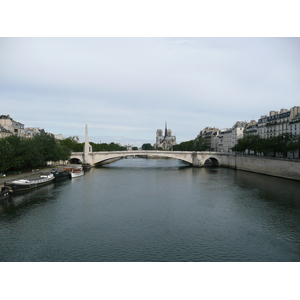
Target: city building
237	132
228	137
224	140
58	137
11	125
279	122
75	139
211	136
251	128
8	126
29	132
166	141
128	147
4	132
294	125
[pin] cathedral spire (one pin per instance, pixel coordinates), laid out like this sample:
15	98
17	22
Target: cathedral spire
166	130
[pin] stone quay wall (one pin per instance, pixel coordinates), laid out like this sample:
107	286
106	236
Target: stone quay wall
285	168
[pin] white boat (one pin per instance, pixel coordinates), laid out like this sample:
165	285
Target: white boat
76	172
27	184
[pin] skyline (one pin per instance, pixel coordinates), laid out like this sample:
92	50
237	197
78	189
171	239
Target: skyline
125	89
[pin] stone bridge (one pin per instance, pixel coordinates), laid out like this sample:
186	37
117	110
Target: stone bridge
284	168
196	159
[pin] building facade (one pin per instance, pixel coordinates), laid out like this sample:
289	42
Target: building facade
166	141
4	132
294	125
29	132
224	140
211	136
11	125
251	128
284	121
237	132
228	137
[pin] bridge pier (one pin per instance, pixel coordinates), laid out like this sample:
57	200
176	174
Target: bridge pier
197	163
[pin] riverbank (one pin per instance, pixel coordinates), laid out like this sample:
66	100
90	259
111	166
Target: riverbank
278	167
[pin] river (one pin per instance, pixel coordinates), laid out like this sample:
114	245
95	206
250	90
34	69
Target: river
155	210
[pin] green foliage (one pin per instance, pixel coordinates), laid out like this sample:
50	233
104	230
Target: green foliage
147	146
6	155
73	146
248	143
107	147
269	147
198	144
79	147
17	153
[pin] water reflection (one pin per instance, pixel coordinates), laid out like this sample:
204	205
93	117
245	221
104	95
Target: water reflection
22	201
282	191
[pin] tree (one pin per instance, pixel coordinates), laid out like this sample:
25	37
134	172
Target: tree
18	148
33	157
47	146
295	144
199	144
68	143
147	146
6	155
63	152
248	143
284	143
20	153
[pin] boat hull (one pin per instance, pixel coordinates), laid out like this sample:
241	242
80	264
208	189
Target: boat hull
62	175
28	184
77	174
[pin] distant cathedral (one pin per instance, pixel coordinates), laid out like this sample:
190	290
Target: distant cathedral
166	141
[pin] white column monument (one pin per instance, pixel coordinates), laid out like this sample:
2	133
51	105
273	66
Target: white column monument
87	146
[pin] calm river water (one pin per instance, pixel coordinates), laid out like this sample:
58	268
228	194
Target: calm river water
155	210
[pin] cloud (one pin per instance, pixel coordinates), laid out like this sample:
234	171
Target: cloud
125	88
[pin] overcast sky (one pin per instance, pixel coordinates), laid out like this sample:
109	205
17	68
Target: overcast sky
125	89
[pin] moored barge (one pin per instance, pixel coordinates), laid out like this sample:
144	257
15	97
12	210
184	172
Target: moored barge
30	183
61	174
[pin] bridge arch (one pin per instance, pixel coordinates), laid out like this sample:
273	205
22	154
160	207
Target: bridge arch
75	161
212	161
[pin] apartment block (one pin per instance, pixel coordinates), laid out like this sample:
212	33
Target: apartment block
210	134
279	122
11	125
4	132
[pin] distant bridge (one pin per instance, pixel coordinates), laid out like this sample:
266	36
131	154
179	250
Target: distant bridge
284	168
196	159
